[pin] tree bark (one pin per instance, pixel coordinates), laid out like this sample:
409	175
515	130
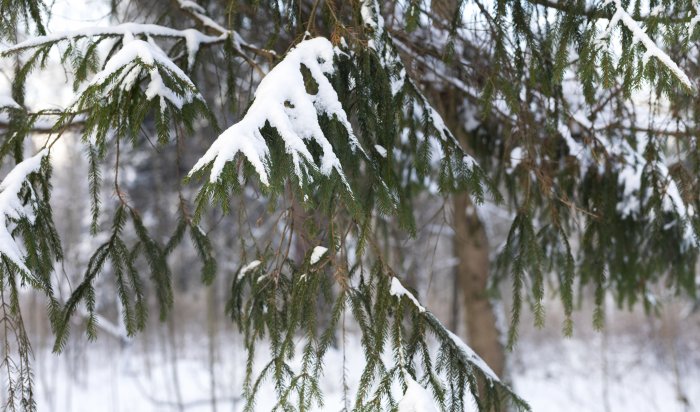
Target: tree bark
471	248
470	242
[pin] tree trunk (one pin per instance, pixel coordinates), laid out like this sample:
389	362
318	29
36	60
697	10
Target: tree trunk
471	248
470	241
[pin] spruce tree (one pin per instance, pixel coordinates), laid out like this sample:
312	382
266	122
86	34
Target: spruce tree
604	191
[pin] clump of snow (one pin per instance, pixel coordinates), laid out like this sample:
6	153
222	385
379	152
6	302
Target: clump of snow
283	102
416	398
516	156
398	290
138	52
199	12
247	268
630	178
12	207
696	18
380	149
371	15
190	5
317	253
7	101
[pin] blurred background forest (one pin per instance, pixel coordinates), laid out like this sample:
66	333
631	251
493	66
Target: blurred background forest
194	361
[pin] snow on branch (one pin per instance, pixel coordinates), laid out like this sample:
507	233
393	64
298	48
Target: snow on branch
639	35
199	13
283	102
9	102
13	207
122	70
696	19
416	398
193	38
384	45
466	353
398	291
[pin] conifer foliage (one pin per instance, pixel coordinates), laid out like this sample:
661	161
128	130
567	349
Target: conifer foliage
339	125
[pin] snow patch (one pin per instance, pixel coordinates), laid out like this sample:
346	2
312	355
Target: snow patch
317	254
398	290
7	101
416	398
381	150
473	357
247	268
12	207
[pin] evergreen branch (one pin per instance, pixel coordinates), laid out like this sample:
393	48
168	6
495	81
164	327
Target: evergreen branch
239	45
193	37
469	360
652	50
10	10
14	208
602	13
295	116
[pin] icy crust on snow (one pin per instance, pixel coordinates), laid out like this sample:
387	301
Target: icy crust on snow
398	290
282	101
139	52
317	254
416	398
639	35
12	207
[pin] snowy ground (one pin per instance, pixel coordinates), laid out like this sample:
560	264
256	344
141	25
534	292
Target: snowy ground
592	373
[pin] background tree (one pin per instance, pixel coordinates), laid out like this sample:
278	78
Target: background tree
538	91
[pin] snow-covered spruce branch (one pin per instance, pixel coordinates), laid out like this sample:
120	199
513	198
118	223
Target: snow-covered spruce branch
639	35
465	356
383	45
193	38
283	102
395	329
696	18
167	91
583	10
124	69
14	207
198	13
445	150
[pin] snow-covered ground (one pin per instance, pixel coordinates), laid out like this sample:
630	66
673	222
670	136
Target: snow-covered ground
571	376
597	372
